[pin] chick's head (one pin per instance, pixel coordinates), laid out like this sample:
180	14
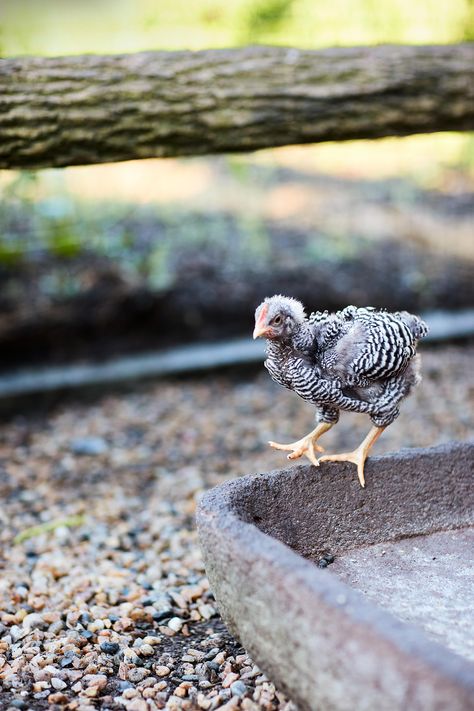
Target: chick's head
278	318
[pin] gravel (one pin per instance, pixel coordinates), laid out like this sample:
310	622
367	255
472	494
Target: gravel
110	607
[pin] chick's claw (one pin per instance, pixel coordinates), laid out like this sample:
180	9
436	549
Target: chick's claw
305	446
357	457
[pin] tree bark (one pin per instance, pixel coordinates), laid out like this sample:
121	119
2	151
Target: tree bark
95	109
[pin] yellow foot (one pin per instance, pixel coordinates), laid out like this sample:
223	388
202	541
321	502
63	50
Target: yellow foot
358	457
307	445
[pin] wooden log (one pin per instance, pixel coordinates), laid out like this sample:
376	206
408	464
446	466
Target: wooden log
95	109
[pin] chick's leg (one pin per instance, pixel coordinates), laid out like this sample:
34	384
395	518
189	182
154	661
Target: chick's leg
306	445
359	455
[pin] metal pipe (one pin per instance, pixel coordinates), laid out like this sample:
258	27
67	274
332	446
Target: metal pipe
443	325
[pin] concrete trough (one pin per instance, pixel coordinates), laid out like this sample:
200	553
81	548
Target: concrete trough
390	623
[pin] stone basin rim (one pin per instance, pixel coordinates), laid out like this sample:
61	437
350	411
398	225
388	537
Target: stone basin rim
222	513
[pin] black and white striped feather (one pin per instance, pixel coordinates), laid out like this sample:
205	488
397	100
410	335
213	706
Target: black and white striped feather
363	345
357	359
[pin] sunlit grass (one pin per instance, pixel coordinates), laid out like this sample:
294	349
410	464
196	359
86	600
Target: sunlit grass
55	27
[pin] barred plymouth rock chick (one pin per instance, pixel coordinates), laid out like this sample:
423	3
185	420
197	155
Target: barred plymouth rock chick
358	359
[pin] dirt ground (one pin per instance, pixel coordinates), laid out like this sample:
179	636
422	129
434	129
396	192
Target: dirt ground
108	606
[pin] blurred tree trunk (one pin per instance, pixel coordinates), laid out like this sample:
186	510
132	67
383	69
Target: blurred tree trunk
95	109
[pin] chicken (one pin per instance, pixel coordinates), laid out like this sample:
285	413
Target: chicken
358	359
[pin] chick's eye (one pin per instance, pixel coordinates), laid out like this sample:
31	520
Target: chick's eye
277	320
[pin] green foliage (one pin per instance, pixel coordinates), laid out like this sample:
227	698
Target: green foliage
144	243
332	247
11	252
468	22
466	158
23	187
30	27
255	241
265	16
29	225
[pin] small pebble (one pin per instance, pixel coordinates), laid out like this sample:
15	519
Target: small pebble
56	627
137	674
34	621
17	633
110	647
146	650
151	640
162	670
124	684
176	624
207	611
58	698
163	615
329	557
138	705
238	688
89	446
229	679
96	680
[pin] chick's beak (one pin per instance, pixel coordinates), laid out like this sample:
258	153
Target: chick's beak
261	327
259	331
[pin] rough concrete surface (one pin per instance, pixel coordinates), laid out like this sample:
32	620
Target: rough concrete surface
320	639
427	580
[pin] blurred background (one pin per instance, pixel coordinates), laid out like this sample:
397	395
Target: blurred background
121	258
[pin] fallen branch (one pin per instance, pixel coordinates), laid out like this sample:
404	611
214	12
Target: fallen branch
95	109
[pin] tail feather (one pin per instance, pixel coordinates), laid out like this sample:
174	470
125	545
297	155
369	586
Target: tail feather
417	326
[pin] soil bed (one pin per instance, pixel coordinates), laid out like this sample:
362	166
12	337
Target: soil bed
97	280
